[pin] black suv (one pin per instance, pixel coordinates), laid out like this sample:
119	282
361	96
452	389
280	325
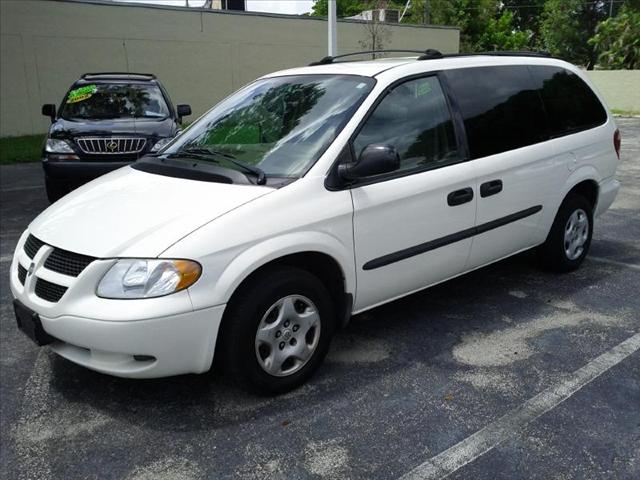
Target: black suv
106	121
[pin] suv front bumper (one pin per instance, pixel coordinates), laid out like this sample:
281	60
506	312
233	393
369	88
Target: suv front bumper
72	173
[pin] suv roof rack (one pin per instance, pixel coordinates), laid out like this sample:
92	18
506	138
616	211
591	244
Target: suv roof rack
432	54
141	76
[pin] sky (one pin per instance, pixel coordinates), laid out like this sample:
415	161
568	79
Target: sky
292	7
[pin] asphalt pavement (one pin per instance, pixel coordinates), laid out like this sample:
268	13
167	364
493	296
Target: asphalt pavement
504	373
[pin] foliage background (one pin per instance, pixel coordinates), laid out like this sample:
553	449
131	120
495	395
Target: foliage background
595	34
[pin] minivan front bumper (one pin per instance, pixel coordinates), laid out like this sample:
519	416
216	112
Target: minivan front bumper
158	347
141	338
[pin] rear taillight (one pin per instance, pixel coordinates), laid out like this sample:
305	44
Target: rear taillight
617	140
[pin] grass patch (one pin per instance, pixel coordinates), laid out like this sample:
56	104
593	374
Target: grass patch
22	149
625	113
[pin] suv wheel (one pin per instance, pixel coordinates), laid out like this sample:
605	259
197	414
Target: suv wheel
54	191
570	237
277	330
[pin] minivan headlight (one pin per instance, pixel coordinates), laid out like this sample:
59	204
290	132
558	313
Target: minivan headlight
54	145
140	278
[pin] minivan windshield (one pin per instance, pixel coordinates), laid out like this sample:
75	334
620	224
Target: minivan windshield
114	100
281	125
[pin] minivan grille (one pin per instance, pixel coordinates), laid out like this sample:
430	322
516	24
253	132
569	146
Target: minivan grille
60	261
67	263
32	245
22	274
49	291
111	145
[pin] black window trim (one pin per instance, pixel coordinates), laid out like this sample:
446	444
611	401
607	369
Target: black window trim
334	183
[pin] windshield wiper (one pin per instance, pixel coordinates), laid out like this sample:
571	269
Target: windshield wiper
207	153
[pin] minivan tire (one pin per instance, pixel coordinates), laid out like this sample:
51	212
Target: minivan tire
238	346
552	254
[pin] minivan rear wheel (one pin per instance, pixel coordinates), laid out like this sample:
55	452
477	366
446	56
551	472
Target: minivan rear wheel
276	331
569	239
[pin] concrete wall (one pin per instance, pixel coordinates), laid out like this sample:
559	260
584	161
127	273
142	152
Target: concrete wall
620	88
200	55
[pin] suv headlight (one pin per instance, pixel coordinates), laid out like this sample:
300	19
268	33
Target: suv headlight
54	145
160	144
140	278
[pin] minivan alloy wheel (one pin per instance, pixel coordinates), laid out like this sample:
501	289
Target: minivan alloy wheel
576	233
287	335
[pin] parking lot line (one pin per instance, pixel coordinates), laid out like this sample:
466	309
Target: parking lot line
614	262
514	422
18	189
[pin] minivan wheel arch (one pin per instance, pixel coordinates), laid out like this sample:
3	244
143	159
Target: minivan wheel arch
588	189
323	266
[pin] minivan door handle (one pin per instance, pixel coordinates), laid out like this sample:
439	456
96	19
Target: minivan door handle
490	188
459	197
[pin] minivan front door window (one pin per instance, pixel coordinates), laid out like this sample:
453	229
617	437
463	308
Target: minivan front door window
415	119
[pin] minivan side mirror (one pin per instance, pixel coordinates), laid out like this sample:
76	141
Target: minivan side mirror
49	110
375	159
183	111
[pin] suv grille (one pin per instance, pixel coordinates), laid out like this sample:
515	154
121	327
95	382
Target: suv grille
67	263
111	145
22	274
49	291
32	245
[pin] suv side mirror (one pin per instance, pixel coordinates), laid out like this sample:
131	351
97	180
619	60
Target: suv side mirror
375	159
183	111
49	110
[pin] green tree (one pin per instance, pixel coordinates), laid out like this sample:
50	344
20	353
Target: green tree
349	8
567	25
526	16
501	34
471	16
617	40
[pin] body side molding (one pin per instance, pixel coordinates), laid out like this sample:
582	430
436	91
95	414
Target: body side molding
448	239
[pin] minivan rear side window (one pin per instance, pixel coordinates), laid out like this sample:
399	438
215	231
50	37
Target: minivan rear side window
571	105
500	107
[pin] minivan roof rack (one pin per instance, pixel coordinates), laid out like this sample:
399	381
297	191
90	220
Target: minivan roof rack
429	53
505	53
432	54
141	76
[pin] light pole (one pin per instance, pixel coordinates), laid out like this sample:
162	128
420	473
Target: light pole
332	34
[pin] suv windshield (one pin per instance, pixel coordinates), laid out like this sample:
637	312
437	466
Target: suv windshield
114	100
281	125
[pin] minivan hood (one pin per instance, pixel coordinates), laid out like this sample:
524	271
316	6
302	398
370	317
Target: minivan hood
119	126
129	213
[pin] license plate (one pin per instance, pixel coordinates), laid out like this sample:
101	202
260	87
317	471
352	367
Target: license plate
29	323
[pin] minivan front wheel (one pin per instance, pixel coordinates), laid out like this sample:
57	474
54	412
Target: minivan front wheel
570	237
276	331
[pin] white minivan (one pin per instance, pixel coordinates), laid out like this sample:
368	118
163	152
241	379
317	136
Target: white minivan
308	196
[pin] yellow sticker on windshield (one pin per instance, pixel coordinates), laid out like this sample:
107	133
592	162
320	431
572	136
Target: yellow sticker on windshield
423	88
82	93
